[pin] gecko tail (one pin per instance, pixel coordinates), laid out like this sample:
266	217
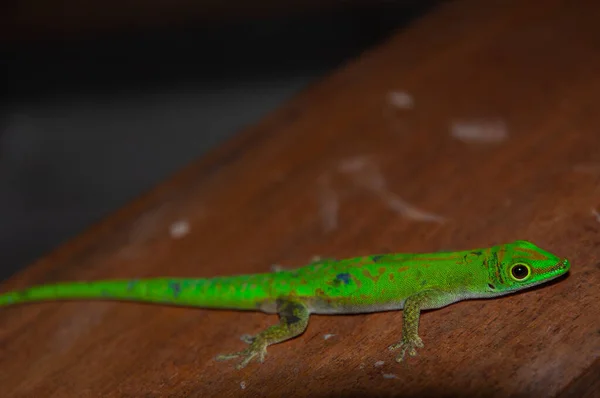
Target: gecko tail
102	290
209	293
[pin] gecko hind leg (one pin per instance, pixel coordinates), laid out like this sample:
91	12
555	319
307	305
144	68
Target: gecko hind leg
293	319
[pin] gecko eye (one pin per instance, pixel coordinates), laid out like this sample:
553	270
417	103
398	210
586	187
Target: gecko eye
520	271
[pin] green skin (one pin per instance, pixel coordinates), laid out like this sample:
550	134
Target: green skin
408	282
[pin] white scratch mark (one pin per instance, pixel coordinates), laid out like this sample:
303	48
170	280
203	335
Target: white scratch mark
596	214
328	336
354	164
328	204
179	229
484	131
367	175
401	99
364	172
407	210
389	376
243	385
379	363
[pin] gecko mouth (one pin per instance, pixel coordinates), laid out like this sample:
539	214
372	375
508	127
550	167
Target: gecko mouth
563	265
552	272
560	268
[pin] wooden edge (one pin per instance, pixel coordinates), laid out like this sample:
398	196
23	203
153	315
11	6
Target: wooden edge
587	385
45	20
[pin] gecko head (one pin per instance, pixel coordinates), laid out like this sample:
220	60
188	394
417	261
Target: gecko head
522	264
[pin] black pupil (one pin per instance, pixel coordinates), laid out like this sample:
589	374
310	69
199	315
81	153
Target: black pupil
520	271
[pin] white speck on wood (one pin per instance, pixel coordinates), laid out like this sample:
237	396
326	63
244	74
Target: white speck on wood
277	268
401	99
179	229
596	214
379	363
389	376
483	131
243	385
328	336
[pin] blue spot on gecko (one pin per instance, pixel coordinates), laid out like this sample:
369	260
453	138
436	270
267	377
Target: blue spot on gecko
176	288
131	285
344	277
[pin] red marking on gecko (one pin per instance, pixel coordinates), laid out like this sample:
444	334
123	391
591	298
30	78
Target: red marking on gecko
374	278
530	254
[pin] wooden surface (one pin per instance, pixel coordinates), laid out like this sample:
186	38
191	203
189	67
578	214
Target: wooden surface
345	169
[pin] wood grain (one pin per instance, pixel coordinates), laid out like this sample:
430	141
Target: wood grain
342	171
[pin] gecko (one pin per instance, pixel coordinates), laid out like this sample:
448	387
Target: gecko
411	282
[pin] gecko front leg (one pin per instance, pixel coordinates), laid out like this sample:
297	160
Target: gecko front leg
293	319
411	314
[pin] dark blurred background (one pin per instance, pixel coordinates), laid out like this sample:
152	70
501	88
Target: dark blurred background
105	99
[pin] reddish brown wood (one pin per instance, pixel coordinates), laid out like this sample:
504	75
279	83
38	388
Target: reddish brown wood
258	200
585	386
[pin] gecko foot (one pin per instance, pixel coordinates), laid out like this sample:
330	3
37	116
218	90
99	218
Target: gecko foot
409	344
257	349
293	319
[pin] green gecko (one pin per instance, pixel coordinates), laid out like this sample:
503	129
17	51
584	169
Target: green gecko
411	282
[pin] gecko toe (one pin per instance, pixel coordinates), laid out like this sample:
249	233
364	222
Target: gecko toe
245	362
247	338
255	350
407	345
394	346
226	357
